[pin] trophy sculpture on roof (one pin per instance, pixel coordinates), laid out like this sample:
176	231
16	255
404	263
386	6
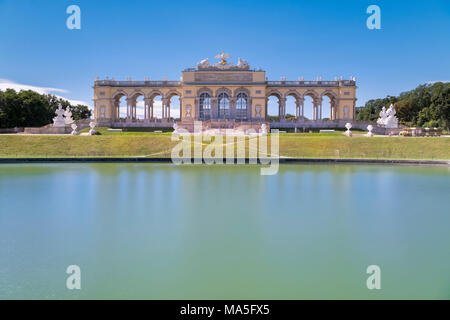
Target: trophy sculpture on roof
223	63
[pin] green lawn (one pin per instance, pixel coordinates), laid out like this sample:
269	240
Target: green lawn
117	144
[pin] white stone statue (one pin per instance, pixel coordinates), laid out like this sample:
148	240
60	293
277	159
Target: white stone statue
243	64
263	130
74	130
59	121
68	116
387	118
391	120
92	124
203	64
382	119
348	126
369	128
175	128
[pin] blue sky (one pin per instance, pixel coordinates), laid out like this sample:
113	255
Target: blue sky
158	39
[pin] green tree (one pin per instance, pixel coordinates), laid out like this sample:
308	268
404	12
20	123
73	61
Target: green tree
28	108
427	105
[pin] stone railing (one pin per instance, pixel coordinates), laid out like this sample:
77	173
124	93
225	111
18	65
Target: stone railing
130	83
328	124
338	83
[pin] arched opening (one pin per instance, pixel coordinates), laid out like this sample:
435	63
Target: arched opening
273	107
291	106
308	106
328	106
120	106
205	106
223	105
155	105
241	106
138	106
174	108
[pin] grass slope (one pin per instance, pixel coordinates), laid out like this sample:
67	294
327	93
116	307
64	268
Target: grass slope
116	144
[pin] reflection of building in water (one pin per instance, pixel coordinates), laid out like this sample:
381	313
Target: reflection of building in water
222	92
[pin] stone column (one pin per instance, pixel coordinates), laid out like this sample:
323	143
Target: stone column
214	108
232	108
299	109
333	110
168	109
164	108
116	110
197	109
147	109
129	109
303	109
150	104
282	108
320	111
336	109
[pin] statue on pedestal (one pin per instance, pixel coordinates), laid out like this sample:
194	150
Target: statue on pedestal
387	118
391	120
92	131
74	130
369	128
382	119
175	128
59	120
348	126
263	130
243	64
68	116
203	64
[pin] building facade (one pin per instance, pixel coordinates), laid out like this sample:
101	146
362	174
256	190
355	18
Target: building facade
223	92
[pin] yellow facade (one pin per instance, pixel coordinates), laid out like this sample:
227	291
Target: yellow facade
216	92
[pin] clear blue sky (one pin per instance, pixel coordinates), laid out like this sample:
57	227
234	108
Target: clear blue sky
158	39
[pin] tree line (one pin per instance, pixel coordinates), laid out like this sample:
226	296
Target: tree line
426	106
28	108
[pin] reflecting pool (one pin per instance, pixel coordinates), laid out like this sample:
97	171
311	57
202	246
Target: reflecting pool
160	231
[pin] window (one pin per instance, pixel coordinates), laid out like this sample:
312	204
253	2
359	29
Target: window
224	105
241	106
205	106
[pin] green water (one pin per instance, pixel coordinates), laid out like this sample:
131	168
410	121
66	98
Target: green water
160	231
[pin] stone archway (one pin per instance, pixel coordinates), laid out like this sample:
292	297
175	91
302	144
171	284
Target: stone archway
333	98
116	102
168	104
315	103
269	104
